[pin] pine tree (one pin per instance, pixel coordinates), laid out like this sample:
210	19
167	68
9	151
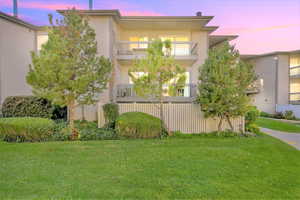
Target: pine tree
224	81
67	70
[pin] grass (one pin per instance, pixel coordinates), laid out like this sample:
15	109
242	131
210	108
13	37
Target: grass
182	168
278	125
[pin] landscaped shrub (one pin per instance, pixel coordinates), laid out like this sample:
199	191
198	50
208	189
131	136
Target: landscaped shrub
31	106
26	129
90	131
250	120
278	115
111	113
61	131
289	115
252	115
264	114
138	125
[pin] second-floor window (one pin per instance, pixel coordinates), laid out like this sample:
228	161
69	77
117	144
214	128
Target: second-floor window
138	43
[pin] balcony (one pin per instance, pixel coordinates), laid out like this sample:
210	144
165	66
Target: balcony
295	72
126	93
182	51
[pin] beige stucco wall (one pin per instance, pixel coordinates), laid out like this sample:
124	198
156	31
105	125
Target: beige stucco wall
275	89
283	80
265	67
16	42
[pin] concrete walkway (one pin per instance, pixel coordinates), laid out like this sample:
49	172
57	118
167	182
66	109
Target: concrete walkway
292	139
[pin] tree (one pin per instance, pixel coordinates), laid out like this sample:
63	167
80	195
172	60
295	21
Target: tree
67	70
160	74
225	79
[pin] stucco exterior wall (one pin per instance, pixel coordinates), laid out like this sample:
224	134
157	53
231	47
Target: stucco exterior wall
283	79
265	67
16	43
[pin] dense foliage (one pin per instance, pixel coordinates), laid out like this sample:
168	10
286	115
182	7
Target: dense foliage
31	106
138	125
251	118
26	129
67	70
111	113
90	131
289	115
225	80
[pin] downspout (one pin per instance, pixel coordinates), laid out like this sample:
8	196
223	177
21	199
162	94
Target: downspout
276	82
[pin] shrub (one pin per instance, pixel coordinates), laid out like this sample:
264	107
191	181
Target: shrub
252	115
90	131
61	131
111	113
31	106
138	125
26	129
289	115
278	115
264	114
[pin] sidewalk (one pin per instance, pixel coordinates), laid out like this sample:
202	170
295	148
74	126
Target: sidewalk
292	139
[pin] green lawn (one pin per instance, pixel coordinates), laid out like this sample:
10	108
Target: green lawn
278	125
182	168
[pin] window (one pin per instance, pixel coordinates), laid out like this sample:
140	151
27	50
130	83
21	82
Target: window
139	42
180	45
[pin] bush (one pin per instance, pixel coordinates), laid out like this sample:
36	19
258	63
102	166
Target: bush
26	129
289	115
90	131
61	131
138	125
252	115
250	120
31	106
111	113
264	114
278	115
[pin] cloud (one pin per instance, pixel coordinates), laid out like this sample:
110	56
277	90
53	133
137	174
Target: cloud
41	5
239	30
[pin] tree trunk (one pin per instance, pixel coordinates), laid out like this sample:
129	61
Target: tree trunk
220	124
71	108
229	122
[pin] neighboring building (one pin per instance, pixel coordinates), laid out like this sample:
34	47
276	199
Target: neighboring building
124	39
279	75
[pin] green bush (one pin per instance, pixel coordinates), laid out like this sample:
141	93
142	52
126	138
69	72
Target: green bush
138	125
289	115
26	129
264	114
90	131
252	115
111	113
61	131
31	106
250	120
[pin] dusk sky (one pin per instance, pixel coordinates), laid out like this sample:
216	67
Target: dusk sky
262	25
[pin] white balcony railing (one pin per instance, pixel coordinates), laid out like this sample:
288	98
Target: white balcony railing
139	48
125	92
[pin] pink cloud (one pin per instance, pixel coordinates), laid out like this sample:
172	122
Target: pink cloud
41	5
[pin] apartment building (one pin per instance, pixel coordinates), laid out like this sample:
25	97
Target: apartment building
279	76
124	39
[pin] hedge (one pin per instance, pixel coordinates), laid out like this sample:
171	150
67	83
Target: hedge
26	129
31	106
138	125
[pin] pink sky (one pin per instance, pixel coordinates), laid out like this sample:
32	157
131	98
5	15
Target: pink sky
262	25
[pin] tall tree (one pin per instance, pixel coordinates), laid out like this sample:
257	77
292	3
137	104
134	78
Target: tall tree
67	70
225	79
160	74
